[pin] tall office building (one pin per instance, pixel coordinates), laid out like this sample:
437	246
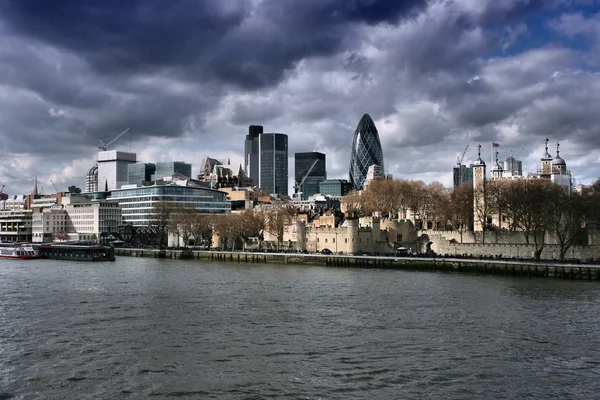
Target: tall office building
140	172
310	170
251	152
266	160
112	169
513	167
91	180
164	169
366	151
461	175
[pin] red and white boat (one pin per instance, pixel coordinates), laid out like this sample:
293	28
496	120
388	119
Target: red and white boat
20	251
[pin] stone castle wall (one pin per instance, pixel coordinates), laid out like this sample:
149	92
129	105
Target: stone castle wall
443	247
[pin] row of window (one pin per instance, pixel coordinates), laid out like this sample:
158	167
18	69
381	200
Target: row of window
345	240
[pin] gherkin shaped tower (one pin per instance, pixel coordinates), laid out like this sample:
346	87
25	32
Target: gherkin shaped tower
366	151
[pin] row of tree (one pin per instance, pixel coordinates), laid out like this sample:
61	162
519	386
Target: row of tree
534	207
196	228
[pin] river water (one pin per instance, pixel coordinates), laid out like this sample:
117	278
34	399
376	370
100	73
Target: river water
146	328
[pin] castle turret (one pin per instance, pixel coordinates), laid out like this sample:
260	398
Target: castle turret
352	225
497	171
478	190
546	162
559	166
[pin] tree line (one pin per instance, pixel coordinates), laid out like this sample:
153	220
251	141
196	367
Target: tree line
534	207
233	228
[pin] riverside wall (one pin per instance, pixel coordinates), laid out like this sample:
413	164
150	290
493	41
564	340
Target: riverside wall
446	264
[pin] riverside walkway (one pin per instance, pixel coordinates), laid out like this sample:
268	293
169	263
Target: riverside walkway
530	269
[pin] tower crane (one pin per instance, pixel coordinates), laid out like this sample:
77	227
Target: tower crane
55	188
460	160
103	146
298	185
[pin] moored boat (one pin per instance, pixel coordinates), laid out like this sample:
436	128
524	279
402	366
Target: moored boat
77	251
19	251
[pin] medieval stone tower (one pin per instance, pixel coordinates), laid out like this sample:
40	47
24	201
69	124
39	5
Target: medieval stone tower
498	169
478	191
546	163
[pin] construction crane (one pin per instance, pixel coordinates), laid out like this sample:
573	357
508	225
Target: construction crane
2	189
55	188
459	162
104	146
298	185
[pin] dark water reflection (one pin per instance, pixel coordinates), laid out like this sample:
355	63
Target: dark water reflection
142	328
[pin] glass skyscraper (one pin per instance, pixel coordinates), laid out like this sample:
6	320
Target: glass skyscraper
140	172
273	161
310	178
164	169
266	160
366	151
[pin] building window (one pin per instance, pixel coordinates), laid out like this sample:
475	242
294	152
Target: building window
346	240
333	240
325	240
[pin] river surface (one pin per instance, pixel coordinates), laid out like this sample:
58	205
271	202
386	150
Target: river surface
145	328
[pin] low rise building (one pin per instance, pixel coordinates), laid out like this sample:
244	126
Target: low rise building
138	202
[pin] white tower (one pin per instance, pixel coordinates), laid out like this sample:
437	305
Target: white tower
478	191
112	168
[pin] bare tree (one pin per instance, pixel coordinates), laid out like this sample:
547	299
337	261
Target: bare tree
182	222
160	220
482	207
202	229
276	217
224	226
528	204
353	202
567	217
249	223
460	213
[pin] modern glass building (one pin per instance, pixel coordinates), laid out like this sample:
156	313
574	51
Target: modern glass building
335	187
461	175
266	160
137	204
140	172
169	168
366	151
251	152
310	170
273	163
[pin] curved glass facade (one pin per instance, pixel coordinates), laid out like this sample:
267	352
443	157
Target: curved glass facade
366	151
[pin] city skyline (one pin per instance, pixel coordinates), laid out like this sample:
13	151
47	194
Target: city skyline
433	77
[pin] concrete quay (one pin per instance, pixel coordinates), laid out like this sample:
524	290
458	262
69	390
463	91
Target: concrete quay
472	266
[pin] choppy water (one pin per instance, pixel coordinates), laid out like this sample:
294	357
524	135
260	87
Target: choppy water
144	328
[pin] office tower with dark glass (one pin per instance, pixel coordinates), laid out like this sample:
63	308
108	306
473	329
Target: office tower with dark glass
164	169
310	170
140	172
266	160
366	151
251	153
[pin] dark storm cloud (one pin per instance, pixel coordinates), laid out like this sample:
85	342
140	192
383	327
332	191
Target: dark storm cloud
231	41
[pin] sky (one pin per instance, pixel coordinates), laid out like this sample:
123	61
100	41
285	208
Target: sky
188	77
